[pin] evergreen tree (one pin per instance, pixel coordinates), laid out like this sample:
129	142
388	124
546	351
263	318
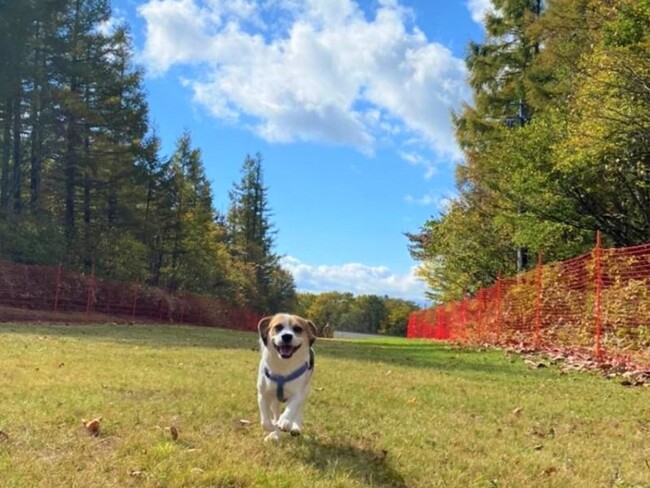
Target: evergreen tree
251	238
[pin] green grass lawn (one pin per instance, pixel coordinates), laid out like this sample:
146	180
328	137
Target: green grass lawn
385	413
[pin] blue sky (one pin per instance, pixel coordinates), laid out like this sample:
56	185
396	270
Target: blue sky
349	103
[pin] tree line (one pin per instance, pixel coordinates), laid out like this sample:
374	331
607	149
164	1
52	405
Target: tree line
82	178
370	314
556	142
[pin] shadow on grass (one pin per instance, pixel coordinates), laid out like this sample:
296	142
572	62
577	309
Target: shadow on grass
366	465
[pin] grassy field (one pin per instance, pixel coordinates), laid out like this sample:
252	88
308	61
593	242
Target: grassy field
385	413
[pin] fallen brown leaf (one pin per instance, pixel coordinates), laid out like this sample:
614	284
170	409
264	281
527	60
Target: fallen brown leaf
534	364
174	432
136	473
93	426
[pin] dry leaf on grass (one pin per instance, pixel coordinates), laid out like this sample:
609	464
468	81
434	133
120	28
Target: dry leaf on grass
174	432
3	436
136	473
93	427
534	364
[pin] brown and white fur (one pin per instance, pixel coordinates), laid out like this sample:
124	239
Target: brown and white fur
285	341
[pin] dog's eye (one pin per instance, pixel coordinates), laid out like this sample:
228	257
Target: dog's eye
278	328
297	329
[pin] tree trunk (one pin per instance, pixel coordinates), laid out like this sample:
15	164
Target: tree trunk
6	155
17	153
36	154
35	175
70	177
88	257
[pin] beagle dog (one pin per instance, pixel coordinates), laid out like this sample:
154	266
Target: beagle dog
285	371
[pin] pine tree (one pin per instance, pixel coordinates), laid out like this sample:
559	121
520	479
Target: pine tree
251	238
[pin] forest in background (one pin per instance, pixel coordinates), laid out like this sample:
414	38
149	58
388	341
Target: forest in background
556	143
83	181
82	178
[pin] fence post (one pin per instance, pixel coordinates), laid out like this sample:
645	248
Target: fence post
498	314
463	321
135	299
57	291
91	290
538	301
598	276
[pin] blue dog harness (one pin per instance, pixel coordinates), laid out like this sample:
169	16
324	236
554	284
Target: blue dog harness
282	380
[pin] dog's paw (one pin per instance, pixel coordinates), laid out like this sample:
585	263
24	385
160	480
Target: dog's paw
273	437
284	424
295	429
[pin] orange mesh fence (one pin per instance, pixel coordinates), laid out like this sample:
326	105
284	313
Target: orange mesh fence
598	301
52	288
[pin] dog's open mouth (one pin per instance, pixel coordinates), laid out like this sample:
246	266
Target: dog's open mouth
286	350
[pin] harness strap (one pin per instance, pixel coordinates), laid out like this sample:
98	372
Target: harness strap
282	380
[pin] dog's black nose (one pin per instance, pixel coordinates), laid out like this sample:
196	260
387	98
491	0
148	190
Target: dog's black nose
286	337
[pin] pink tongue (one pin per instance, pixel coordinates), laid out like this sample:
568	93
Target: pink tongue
286	350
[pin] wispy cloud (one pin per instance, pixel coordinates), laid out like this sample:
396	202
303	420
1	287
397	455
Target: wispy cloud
329	73
355	278
441	203
417	159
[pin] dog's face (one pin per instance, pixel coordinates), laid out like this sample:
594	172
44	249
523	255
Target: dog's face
286	334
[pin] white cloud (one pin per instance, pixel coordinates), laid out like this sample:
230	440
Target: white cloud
442	203
331	74
176	33
417	159
427	199
478	9
355	278
108	27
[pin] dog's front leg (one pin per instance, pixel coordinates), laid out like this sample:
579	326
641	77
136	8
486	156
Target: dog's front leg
267	414
290	419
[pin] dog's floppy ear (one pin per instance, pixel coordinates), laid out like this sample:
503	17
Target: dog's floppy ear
263	328
312	332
